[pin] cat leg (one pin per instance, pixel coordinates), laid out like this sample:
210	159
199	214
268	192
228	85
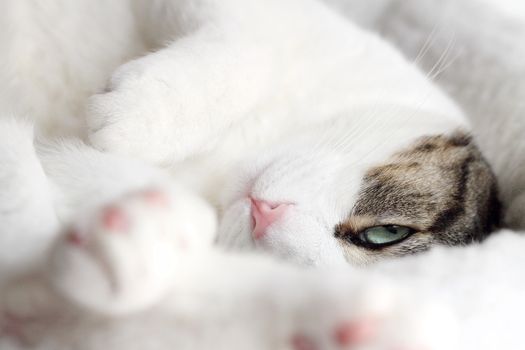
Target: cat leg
230	60
176	101
27	215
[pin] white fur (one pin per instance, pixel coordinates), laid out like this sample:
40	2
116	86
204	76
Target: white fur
28	220
241	77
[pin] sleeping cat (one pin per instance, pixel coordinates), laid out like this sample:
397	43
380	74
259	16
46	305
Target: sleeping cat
347	152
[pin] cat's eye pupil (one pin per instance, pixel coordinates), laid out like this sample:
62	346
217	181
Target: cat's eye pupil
385	235
392	229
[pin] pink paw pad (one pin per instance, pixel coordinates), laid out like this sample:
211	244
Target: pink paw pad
75	238
156	198
302	342
355	333
114	219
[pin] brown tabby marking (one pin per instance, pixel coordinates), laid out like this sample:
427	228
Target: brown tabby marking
442	187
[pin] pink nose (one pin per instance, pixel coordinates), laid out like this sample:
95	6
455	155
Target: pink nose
264	214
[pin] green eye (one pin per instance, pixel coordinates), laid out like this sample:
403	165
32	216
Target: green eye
385	235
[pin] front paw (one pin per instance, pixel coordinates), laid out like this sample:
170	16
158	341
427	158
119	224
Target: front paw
127	255
132	116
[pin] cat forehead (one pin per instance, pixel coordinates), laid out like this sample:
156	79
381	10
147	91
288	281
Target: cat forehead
331	163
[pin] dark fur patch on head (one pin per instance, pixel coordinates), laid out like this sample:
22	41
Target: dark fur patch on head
441	187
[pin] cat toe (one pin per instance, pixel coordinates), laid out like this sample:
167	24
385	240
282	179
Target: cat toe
114	219
356	332
156	198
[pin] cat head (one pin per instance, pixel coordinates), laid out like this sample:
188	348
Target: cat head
358	196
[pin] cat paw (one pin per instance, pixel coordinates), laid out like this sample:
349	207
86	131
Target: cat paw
373	318
125	257
140	114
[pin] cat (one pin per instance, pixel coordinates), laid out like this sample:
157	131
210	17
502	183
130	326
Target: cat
318	114
353	142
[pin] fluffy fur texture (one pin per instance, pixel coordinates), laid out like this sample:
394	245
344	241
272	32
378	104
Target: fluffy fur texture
136	258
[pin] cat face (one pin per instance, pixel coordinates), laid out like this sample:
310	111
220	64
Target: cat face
360	196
